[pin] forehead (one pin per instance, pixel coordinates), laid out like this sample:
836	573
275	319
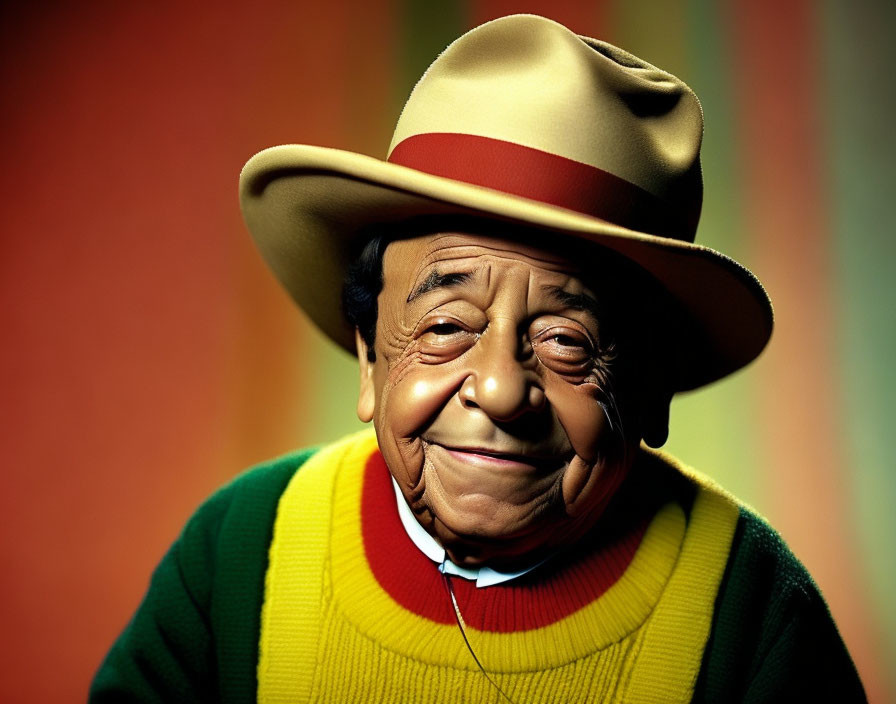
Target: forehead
407	260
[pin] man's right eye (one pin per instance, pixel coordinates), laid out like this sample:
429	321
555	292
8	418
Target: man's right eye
441	329
441	339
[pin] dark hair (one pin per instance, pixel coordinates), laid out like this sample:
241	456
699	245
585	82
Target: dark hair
362	286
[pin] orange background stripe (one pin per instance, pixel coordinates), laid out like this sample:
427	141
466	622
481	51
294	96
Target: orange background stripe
148	355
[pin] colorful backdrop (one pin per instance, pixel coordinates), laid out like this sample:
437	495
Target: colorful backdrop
147	355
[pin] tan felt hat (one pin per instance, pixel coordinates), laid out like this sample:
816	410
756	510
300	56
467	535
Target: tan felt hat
522	121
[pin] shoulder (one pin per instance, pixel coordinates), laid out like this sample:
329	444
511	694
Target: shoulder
252	494
772	636
766	588
762	562
234	524
758	555
256	486
194	636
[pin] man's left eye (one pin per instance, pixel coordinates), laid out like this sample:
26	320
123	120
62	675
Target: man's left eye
563	349
568	341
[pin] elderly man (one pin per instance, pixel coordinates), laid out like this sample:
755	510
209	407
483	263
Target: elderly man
520	284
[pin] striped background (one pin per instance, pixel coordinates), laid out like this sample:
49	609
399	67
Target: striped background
147	355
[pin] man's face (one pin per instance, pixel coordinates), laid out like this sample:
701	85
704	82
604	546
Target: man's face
487	395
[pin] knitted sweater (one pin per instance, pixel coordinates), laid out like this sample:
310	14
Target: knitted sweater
302	586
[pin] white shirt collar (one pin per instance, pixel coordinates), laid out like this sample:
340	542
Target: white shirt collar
483	576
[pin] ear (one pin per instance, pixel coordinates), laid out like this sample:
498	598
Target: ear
655	420
367	391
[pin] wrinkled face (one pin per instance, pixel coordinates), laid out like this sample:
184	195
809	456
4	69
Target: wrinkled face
488	394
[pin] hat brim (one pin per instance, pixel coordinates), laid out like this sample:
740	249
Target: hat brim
306	205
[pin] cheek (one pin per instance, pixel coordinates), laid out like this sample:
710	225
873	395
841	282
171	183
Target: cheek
413	395
596	471
579	411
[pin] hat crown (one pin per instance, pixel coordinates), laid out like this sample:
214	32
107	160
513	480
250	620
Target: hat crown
529	81
561	133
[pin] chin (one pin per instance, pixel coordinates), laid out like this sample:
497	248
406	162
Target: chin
499	553
482	529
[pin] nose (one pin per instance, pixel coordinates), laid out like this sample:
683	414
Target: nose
502	381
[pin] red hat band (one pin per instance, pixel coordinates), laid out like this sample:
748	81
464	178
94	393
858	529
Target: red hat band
549	178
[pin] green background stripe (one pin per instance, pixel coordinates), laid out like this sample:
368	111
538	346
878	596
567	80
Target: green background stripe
426	28
858	105
688	39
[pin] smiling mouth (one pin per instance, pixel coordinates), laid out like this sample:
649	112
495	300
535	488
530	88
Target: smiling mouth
500	458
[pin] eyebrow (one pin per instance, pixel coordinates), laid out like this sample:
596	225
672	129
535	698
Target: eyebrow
436	280
576	301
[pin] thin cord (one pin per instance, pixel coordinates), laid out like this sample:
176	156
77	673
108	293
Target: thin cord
463	632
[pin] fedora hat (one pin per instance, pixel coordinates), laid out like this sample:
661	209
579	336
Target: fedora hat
524	122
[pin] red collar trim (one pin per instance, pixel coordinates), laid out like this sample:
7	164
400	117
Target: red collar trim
563	585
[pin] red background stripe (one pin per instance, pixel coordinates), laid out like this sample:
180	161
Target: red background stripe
800	450
148	355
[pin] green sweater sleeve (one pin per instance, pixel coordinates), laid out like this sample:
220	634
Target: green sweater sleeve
773	638
194	637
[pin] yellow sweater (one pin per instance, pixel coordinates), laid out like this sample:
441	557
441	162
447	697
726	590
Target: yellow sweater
296	586
331	630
